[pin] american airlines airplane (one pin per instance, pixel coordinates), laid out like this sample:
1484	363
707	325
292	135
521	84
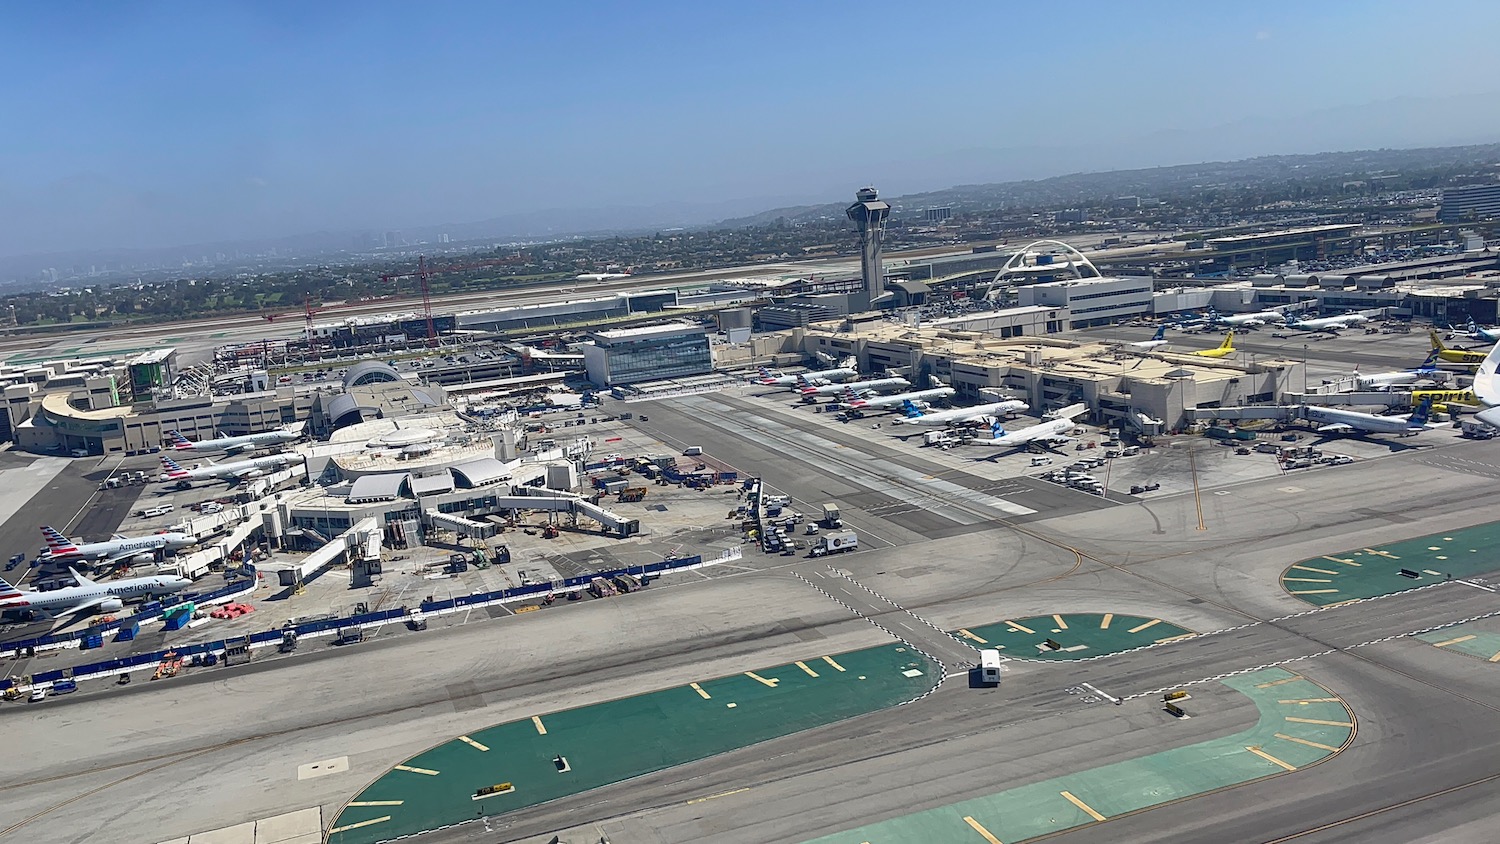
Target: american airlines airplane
870	402
118	547
1336	420
172	472
819	378
980	414
1054	430
812	391
89	595
233	445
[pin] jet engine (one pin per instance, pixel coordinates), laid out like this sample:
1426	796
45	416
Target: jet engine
111	605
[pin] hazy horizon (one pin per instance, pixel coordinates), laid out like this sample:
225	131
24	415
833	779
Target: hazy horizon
168	124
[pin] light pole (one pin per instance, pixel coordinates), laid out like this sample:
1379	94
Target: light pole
1304	370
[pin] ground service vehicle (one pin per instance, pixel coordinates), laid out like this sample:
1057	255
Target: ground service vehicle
989	666
831	518
835	542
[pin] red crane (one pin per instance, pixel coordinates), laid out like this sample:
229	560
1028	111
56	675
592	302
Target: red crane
424	272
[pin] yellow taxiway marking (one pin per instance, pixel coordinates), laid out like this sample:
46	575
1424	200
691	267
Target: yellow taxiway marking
1061	625
1317	721
537	720
699	689
1311	591
1340	560
1381	553
1495	658
810	672
1307	580
1278	682
1179	637
715	796
1104	622
1319	746
759	679
1272	759
1310	700
472	743
967	635
1021	627
979	828
428	771
376	803
836	666
370	822
1318	571
1453	641
1087	809
1139	627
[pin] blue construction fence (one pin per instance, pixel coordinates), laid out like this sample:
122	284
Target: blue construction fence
188	652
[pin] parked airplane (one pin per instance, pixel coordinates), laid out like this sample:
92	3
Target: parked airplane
826	376
1224	350
1439	397
873	402
1477	334
234	445
1336	420
980	414
172	472
600	276
1333	323
1054	430
89	595
1454	355
118	547
814	390
1487	388
1385	380
1157	340
1251	320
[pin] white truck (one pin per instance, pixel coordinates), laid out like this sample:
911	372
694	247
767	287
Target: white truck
835	542
831	517
936	438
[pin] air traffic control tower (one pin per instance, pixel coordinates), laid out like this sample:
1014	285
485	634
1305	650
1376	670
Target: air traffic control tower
869	214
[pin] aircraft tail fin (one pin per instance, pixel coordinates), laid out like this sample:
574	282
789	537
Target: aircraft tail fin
57	543
80	579
910	409
178	440
1430	363
1161	333
996	430
1228	344
8	591
1418	418
1437	342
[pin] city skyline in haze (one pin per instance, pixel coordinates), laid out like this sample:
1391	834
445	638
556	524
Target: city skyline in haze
164	124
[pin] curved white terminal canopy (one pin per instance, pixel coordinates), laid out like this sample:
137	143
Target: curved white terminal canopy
1025	262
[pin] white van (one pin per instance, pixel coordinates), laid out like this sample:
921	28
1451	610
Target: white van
158	510
692	451
1041	461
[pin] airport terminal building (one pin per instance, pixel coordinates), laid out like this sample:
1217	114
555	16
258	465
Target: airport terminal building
627	355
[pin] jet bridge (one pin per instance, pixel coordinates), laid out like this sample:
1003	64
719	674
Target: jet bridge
573	504
356	539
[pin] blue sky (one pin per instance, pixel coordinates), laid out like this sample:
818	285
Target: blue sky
153	124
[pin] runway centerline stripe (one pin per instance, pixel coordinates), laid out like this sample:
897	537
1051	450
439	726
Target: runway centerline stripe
1139	627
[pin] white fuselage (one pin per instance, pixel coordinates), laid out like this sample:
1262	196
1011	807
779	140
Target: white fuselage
888	401
978	413
833	389
1328	323
238	469
816	378
1367	422
1261	318
1043	431
128	547
248	442
74	597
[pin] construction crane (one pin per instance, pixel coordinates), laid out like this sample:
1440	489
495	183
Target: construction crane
424	272
307	314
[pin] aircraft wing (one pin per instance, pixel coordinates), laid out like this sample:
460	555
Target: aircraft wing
1336	428
238	449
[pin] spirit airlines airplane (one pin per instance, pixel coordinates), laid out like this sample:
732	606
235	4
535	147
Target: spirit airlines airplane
1224	350
1157	340
118	547
1385	380
869	402
1054	430
1339	421
233	445
253	468
813	390
980	414
1454	355
89	595
819	378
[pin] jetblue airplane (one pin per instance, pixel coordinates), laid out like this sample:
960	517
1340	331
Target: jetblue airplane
1055	430
1339	421
980	414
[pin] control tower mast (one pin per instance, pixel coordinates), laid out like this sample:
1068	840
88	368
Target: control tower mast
869	214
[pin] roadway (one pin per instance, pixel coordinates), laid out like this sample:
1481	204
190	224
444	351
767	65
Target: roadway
236	738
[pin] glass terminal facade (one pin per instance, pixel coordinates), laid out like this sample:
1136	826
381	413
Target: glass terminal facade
625	357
